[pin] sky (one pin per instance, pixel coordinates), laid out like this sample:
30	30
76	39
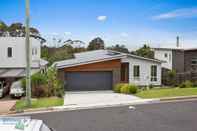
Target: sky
129	22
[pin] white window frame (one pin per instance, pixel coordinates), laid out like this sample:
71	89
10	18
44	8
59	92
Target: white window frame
166	55
154	75
34	51
137	78
9	55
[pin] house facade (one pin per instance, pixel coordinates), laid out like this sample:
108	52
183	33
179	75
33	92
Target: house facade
183	61
102	69
173	59
13	57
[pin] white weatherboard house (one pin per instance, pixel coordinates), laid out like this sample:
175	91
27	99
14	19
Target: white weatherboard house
102	69
166	55
13	57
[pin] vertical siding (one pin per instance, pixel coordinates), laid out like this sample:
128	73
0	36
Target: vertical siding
189	55
145	71
178	60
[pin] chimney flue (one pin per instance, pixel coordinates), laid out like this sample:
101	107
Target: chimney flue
177	42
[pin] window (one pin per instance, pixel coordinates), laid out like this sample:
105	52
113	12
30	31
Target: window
194	61
34	51
165	55
170	57
136	72
9	51
153	73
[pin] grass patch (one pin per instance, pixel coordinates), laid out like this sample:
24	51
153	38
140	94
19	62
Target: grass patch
40	103
169	92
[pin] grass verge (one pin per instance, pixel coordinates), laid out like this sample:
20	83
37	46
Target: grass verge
40	103
169	92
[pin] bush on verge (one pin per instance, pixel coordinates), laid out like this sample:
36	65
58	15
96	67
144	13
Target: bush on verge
132	89
46	85
126	88
117	87
186	84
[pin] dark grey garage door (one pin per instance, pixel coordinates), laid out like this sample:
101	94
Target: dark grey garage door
88	81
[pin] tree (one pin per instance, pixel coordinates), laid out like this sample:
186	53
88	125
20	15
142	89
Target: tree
3	28
145	51
96	44
171	75
119	48
16	30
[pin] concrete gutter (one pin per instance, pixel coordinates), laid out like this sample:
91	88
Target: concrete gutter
78	107
96	106
179	98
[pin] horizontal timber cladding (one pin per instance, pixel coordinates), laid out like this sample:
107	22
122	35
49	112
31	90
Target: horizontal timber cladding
98	66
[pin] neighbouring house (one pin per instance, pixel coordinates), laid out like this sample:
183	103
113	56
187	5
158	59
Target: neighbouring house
13	58
173	58
102	69
183	61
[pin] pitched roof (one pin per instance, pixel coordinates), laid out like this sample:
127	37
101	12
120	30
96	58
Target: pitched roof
96	56
166	48
181	49
15	72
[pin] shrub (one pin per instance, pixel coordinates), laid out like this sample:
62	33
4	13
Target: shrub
172	77
151	86
132	89
125	89
117	87
186	84
56	86
39	91
46	85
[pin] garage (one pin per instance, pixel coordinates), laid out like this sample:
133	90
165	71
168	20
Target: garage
88	81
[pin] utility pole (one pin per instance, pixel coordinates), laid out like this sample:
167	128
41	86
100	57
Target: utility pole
28	56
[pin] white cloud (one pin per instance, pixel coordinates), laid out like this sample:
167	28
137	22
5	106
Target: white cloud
102	18
67	33
179	13
54	34
124	34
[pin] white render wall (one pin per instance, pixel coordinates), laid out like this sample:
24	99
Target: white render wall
145	71
160	55
18	59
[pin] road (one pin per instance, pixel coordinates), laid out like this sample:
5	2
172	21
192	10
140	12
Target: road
176	116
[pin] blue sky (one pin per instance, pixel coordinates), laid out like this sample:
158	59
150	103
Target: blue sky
129	22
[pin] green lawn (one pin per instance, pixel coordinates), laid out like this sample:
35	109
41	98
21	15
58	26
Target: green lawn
40	103
169	92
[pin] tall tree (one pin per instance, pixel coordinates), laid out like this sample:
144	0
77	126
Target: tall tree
16	30
145	51
96	44
119	48
3	28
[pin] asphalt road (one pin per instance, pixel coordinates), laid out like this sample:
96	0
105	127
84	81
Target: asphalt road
178	116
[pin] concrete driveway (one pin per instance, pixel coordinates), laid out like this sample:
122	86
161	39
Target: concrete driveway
6	105
97	98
